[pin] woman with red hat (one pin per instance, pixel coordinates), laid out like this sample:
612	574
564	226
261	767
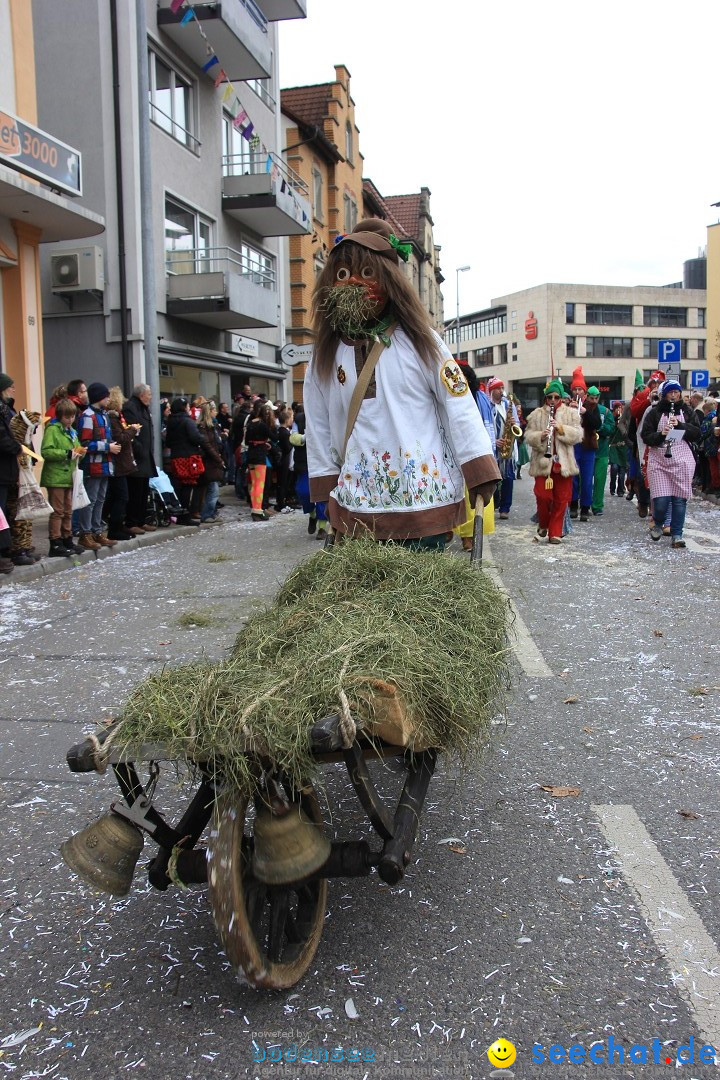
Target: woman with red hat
585	401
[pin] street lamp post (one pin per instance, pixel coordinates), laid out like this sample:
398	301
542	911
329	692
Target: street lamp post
460	270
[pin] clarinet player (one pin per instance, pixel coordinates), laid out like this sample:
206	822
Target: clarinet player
551	433
668	431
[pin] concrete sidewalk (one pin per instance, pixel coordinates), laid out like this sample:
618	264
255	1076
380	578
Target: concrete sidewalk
46	567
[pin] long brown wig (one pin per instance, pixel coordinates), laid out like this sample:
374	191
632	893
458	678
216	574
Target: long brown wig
403	304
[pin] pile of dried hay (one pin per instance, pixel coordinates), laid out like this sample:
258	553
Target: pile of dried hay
424	622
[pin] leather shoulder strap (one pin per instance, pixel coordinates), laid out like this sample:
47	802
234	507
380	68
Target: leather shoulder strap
361	386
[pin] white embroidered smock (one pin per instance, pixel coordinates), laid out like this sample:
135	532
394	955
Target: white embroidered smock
418	439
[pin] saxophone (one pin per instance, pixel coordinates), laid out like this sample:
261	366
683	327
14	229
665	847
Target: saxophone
511	432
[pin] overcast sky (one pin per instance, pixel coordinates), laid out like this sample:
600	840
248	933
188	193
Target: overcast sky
562	141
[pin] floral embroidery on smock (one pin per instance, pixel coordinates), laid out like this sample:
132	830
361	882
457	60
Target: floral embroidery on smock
403	480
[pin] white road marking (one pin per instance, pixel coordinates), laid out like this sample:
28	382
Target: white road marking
676	927
712	548
529	656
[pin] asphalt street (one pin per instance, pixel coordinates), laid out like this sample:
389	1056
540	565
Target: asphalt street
564	887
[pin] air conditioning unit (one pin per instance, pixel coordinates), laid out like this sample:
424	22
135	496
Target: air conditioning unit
77	270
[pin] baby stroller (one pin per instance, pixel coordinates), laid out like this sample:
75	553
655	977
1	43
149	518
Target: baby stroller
164	508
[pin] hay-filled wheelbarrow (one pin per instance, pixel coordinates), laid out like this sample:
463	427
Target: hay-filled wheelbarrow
266	859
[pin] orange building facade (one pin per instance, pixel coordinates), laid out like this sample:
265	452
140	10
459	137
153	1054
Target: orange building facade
32	208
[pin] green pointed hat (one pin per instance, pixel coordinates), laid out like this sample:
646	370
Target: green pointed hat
638	379
554	387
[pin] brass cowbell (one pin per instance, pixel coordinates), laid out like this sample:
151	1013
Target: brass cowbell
288	847
105	853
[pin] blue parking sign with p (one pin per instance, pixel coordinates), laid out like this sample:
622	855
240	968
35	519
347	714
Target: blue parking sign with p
668	351
699	379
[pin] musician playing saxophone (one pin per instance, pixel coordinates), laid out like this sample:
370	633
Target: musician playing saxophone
670	425
551	433
505	419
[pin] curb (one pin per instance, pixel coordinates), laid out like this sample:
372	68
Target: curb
49	567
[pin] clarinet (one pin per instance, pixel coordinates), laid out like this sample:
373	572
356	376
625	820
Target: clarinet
668	442
549	447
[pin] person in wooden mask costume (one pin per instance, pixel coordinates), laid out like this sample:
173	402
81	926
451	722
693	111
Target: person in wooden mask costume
393	456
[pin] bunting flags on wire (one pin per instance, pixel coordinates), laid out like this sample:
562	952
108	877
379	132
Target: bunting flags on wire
241	120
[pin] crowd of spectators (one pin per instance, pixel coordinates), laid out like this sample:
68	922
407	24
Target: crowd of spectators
257	446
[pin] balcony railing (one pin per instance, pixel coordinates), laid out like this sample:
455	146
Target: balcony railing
256	14
241	165
258	87
171	127
212	260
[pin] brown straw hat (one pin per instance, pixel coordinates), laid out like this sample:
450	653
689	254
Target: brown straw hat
374	234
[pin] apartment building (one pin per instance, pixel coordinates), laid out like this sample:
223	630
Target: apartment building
611	331
321	145
41	185
175	106
413	222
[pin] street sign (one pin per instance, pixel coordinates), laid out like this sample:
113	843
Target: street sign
296	354
700	380
671	370
669	351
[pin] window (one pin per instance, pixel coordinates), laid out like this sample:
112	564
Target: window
569	346
480	328
261	88
318	266
664	316
317	194
349	142
608	346
650	348
171	101
258	266
350	212
502	350
188	239
569	313
483	357
701	349
239	158
608	314
701	317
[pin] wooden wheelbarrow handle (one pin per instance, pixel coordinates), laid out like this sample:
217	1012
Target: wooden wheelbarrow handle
476	554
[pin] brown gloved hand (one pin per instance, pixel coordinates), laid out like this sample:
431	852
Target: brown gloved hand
484	491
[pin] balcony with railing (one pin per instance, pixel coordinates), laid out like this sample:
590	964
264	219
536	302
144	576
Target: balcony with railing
235	29
266	196
221	287
274	10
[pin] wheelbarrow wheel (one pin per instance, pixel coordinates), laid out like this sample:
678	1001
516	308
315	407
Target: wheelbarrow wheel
269	932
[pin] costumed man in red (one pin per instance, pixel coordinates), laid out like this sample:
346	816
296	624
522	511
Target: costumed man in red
591	422
551	433
399	467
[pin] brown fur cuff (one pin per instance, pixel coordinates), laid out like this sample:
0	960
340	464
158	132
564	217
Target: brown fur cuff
322	486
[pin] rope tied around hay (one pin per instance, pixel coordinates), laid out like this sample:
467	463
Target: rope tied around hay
347	726
99	758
